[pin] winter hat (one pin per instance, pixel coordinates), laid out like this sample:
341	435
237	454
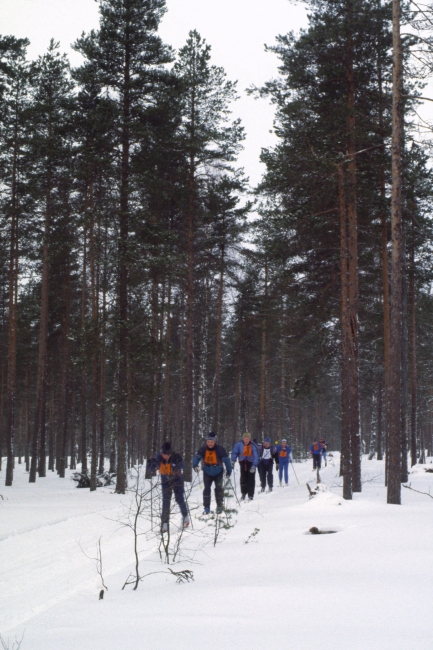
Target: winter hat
246	435
284	440
267	440
166	448
211	436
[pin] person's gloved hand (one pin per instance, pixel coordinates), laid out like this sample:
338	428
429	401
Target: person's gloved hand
278	467
197	469
229	474
252	469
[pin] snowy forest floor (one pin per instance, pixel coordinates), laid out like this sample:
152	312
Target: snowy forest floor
368	586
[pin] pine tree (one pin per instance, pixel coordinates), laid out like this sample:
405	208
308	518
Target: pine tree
50	115
14	103
210	145
130	56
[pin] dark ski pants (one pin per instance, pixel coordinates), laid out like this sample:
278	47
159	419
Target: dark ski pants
317	461
266	473
248	480
283	468
219	493
169	486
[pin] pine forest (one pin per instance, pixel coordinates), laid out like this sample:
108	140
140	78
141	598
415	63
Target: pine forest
149	292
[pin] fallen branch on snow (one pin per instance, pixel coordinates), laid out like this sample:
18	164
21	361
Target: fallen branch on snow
419	491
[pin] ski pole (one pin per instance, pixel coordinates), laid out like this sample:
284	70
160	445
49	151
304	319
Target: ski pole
295	473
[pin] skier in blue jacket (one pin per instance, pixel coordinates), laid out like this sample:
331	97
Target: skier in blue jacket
267	455
248	455
212	458
170	466
316	452
284	458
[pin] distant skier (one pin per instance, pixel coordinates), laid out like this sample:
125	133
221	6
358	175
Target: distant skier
284	458
170	466
248	454
212	458
267	454
324	445
316	452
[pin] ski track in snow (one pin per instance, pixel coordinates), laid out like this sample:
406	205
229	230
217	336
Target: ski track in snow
370	583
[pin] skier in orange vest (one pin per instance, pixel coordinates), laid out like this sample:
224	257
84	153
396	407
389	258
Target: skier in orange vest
212	458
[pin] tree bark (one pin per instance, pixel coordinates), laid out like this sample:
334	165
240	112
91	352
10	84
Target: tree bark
122	415
238	373
165	428
65	371
218	341
38	447
83	401
346	439
95	346
404	366
12	325
262	413
394	473
189	402
352	249
412	359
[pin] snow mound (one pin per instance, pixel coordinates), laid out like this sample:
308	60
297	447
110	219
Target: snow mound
422	468
324	497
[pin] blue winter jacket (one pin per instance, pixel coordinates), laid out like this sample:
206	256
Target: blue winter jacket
316	448
285	459
213	470
237	453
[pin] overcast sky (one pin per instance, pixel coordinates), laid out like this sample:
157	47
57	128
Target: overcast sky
236	29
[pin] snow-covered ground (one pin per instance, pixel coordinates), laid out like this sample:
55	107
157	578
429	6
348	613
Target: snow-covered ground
368	586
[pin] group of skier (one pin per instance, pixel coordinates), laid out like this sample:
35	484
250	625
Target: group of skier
212	458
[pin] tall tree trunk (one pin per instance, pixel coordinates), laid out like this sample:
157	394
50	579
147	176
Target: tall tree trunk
1	414
394	473
346	439
384	258
39	425
352	248
262	413
189	402
379	437
64	419
27	417
201	420
95	345
122	413
218	341
282	423
73	464
238	372
412	358
404	367
12	325
102	360
83	401
165	429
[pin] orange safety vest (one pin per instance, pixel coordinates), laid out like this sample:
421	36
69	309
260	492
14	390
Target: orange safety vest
248	450
316	446
210	457
283	453
165	469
